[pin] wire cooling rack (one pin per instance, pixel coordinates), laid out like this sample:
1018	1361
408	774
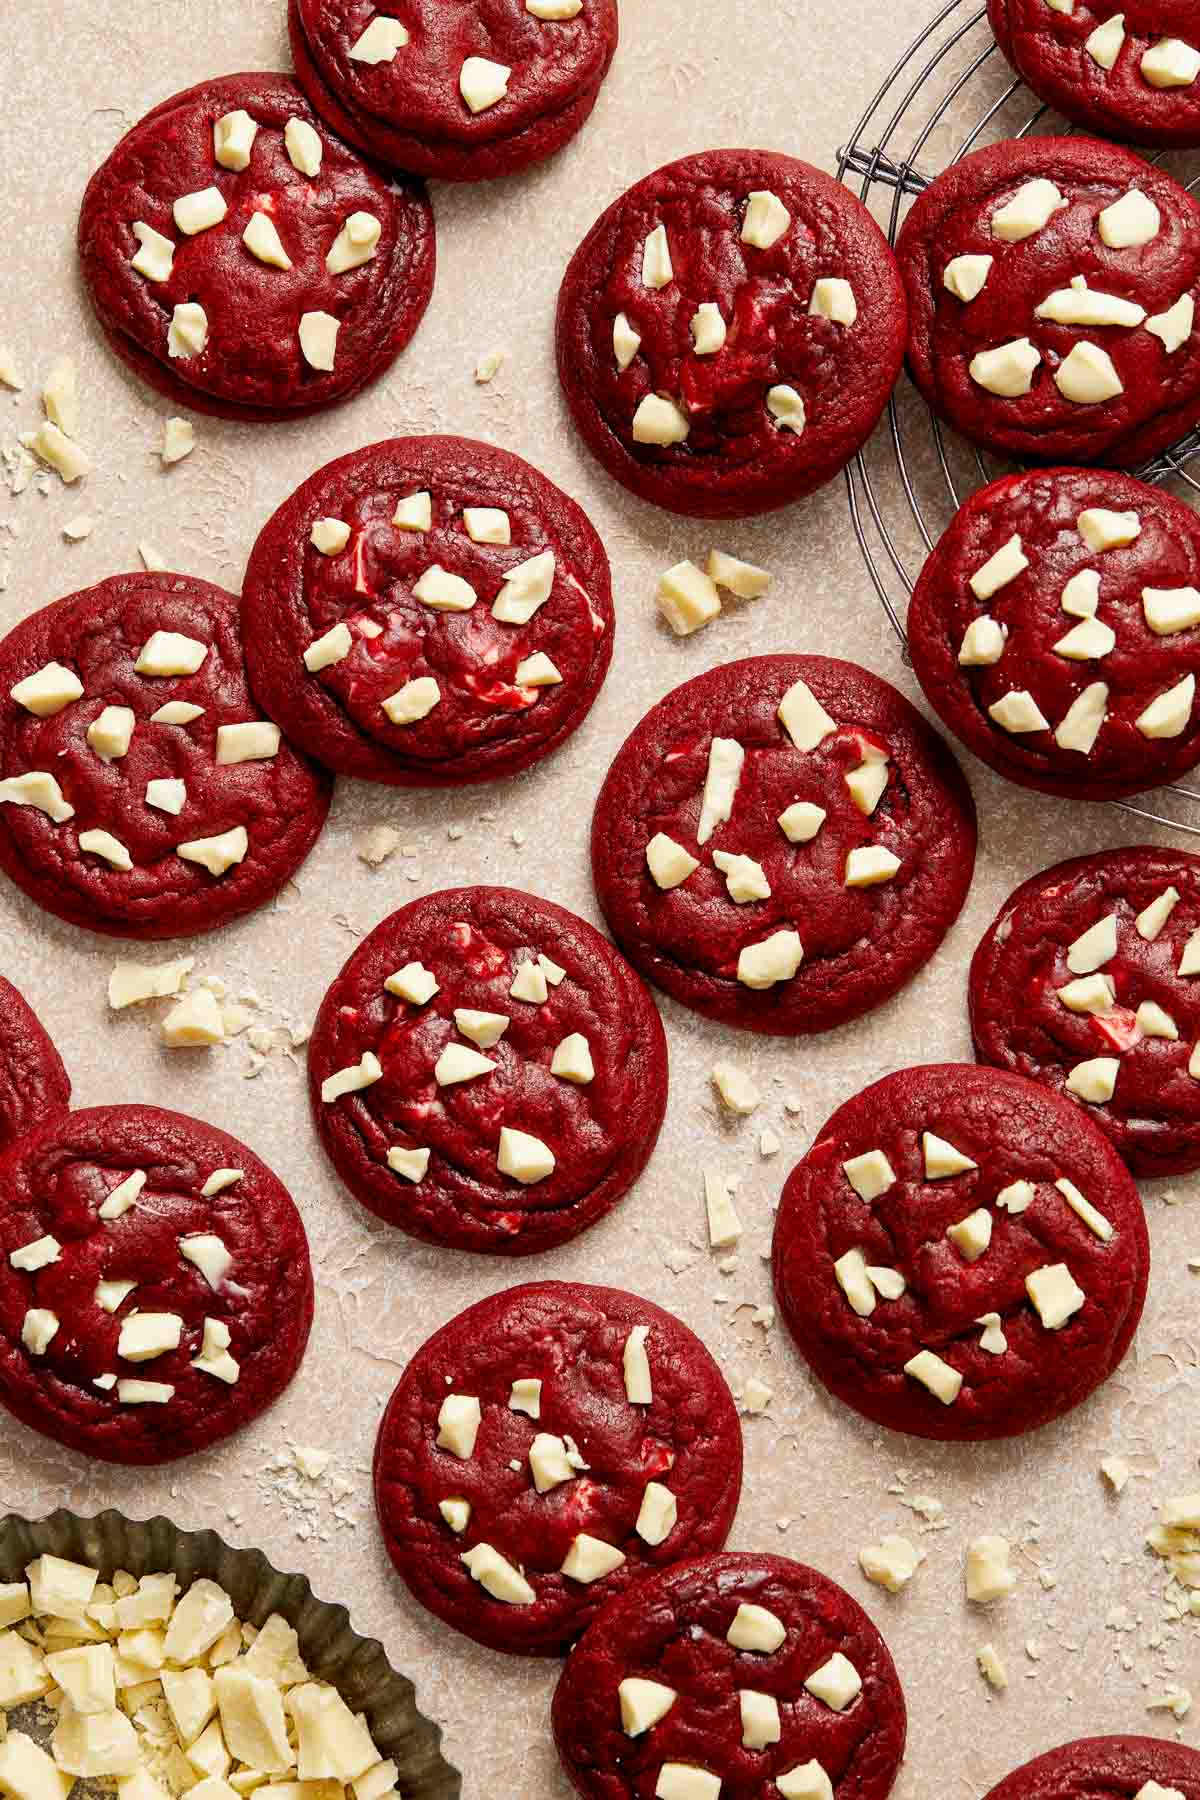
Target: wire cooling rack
951	93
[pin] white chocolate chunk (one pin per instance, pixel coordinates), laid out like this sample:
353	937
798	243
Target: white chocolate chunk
110	849
983	643
626	341
1171	64
837	1682
413	702
459	1420
380	41
891	1563
786	407
756	1628
590	1559
687	598
775	959
657	1515
414	983
1154	1022
219	853
635	1364
525	1396
1081	305
498	1577
414	512
196	1020
972	1235
252	740
554	9
1081	596
328	649
36	1255
735	1088
1004	566
482	82
1088	376
1088	994
457	1063
170	653
233	139
412	1164
801	821
760	1719
487	525
206	1252
1017	712
57	450
457	1514
870	1174
1129	222
87	1677
1169	610
1152	918
38	1330
529	984
1030	209
657	270
47	692
572	1060
966	276
724	1226
352	1079
765	220
199	211
1055	1294
992	1338
1087	641
39	790
1169	715
1094	1080
253	1722
111	732
355	244
1174	327
1008	370
219	1180
659	421
643	1704
804	718
537	671
1189	962
122	1197
303	145
725	759
684	1781
176	712
333	1743
549	1463
155	255
833	298
708	329
868	865
94	1745
807	1781
527	587
178	441
990	1575
744	579
1082	722
850	1272
147	1335
942	1159
444	592
1105	42
318	334
744	878
943	1382
889	1284
524	1157
483	1028
1082	1206
329	536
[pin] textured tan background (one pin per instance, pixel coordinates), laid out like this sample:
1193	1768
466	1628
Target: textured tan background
790	76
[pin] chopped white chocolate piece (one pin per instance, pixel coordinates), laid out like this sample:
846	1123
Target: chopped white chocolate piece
413	702
318	339
991	1667
214	1358
252	1719
483	1028
643	1704
329	536
765	220
526	1158
458	1424
744	579
58	451
303	145
1003	566
657	1515
457	1514
1018	712
380	41
1152	918
39	790
1168	610
487	525
219	853
657	271
870	864
178	441
330	648
233	139
60	396
48	691
891	1563
972	1235
1174	327
199	211
1093	947
109	1295
1154	1022
207	1252
355	244
966	276
498	1577
708	329
121	1197
850	1272
1094	1080
626	341
352	1079
414	983
414	512
1105	42
253	740
1092	1218
983	643
635	1364
1088	376
482	82
889	1284
943	1382
38	1330
94	1745
1102	529
38	1254
1081	595
801	821
775	959
590	1559
724	1226
804	718
549	1463
1087	641
735	1088
990	1575
1169	715
941	1158
1129	222
529	984
761	1725
756	1628
147	1335
170	653
458	1063
660	421
1088	994
992	1338
1189	961
412	1164
833	298
1031	207
1081	305
870	1174
1007	370
572	1060
868	784
807	1781
1171	63
86	1675
787	409
687	598
333	1744
745	879
684	1781
1083	719
553	10
176	712
537	671
1055	1294
155	255
725	759
837	1682
525	1396
527	587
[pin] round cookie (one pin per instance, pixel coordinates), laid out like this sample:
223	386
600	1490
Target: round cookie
1088	980
487	1073
782	843
163	1327
1056	631
746	1674
547	1450
428	612
1052	286
121	811
33	1083
339	275
460	91
961	1254
1106	1768
729	332
1126	69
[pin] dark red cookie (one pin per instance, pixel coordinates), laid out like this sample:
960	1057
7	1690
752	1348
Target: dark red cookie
720	374
1061	387
745	1716
33	1083
521	1408
403	96
245	1271
520	574
82	749
1106	1768
1082	632
860	943
1088	60
1121	1008
870	1279
537	1132
259	347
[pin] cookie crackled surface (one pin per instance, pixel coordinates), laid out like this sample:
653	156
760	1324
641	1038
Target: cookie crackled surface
1106	1768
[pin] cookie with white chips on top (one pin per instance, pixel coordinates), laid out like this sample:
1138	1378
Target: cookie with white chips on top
428	612
961	1254
731	1677
545	1451
1056	631
155	1286
245	261
1106	1768
487	1073
1052	287
142	792
729	332
782	843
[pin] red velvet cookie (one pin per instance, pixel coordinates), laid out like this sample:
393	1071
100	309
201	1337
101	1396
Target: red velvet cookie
782	843
1056	631
1127	69
1088	980
1106	1768
961	1254
547	1449
428	612
737	1675
155	1287
142	793
1052	286
244	261
33	1083
487	1073
455	89
729	332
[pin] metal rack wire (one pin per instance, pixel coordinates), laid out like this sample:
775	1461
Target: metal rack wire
950	93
